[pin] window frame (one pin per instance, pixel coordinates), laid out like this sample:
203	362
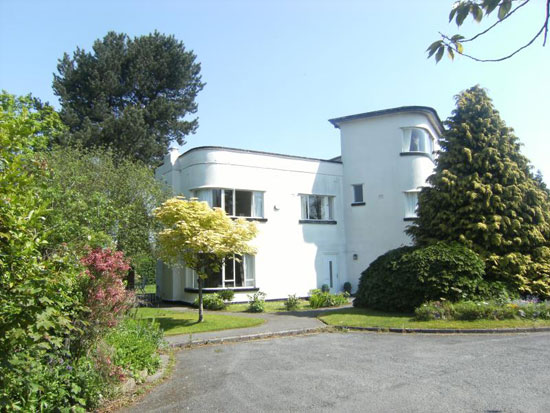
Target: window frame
248	263
305	206
355	201
406	141
410	214
233	193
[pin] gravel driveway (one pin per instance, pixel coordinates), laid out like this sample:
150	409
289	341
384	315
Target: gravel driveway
362	372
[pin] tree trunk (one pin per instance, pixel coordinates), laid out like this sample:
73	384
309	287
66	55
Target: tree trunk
200	300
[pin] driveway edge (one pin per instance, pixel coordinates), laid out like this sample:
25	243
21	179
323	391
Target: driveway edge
249	337
448	330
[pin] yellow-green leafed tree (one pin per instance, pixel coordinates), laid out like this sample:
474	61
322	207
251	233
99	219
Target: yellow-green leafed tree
201	237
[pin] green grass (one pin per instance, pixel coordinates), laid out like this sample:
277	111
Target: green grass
150	289
178	322
359	317
270	306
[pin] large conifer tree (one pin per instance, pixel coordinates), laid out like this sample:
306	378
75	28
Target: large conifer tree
484	195
129	94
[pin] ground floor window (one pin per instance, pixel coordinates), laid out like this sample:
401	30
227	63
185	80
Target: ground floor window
411	203
237	272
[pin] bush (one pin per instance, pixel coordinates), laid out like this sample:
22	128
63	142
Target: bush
404	278
227	295
257	302
211	302
483	310
347	287
318	299
325	288
134	346
292	302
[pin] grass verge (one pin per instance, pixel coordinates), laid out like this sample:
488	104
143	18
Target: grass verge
359	317
177	322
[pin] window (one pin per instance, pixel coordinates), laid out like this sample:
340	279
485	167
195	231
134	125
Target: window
358	194
234	202
411	203
417	140
234	273
317	207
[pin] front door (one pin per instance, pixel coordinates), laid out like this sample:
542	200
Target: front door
331	275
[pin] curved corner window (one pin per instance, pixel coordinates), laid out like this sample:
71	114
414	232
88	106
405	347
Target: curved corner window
234	202
417	140
411	203
235	272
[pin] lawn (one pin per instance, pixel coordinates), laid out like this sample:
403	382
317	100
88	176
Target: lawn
178	322
270	306
359	317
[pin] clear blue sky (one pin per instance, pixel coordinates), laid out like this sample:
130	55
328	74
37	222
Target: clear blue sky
277	70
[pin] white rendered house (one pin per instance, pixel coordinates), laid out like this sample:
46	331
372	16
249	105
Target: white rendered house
320	221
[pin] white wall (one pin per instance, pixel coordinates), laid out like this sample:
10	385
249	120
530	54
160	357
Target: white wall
291	255
371	155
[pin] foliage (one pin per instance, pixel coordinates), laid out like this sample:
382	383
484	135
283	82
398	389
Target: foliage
100	199
256	303
404	278
319	298
134	346
211	302
201	237
129	94
227	295
292	302
483	195
347	287
325	288
470	310
104	291
477	9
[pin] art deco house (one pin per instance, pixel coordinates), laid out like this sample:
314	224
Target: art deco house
320	221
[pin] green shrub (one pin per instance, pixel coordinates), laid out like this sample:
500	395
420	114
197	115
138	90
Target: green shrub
325	288
483	310
404	278
227	295
292	302
318	299
347	287
211	302
257	302
135	344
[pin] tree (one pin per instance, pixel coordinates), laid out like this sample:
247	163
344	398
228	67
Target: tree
129	94
483	195
99	199
478	9
201	237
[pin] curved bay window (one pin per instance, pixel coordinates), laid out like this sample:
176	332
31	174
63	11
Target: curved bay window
235	202
417	140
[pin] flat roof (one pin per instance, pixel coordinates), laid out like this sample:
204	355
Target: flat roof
333	160
431	112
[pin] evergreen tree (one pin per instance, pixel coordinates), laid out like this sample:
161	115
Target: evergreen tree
129	94
483	195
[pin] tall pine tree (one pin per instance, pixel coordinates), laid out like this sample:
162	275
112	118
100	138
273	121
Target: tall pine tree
483	195
129	94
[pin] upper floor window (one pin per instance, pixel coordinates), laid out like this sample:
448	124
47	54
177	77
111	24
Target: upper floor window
317	207
358	194
411	203
234	202
417	140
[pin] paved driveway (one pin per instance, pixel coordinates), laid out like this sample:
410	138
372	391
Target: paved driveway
362	372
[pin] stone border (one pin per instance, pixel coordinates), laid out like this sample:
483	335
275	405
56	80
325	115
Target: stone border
250	337
448	330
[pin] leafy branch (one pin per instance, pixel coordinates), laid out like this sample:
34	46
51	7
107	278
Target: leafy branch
477	9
